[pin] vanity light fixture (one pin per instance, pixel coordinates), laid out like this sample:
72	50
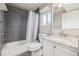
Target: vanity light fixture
59	5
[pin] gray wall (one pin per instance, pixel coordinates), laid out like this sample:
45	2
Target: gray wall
15	24
1	30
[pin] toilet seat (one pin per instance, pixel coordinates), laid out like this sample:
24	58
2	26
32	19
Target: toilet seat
34	46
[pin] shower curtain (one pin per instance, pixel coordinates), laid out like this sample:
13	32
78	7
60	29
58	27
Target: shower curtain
32	27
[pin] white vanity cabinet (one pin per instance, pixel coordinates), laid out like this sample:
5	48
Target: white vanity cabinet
61	51
47	48
53	49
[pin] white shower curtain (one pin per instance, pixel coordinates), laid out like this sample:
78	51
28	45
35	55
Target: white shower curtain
32	27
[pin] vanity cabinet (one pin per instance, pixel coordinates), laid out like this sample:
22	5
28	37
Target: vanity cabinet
47	48
61	51
52	49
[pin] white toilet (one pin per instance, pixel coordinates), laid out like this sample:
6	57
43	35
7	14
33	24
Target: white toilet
36	47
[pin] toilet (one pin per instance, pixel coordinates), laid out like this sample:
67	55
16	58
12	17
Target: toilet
35	47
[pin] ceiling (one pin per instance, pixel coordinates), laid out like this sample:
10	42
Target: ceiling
71	6
27	6
65	7
33	6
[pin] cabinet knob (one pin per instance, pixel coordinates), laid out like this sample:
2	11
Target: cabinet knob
54	46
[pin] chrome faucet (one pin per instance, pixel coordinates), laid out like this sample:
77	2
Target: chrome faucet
63	34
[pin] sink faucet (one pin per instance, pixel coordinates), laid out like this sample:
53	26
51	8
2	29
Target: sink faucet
63	34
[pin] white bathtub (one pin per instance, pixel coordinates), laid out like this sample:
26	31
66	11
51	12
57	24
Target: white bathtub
14	48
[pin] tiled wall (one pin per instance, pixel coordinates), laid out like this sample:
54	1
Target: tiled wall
57	22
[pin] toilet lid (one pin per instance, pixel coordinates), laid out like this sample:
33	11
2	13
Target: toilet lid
34	45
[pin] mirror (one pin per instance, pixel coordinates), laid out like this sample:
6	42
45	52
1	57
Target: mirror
70	20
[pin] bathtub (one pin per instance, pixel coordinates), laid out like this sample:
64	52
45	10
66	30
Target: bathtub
14	48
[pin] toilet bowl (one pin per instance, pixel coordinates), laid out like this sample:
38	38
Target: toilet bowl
34	46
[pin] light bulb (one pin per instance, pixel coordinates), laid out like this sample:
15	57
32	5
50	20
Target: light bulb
59	5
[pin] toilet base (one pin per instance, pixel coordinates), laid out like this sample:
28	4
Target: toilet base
37	52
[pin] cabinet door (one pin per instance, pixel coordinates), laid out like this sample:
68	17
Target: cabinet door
60	51
47	48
